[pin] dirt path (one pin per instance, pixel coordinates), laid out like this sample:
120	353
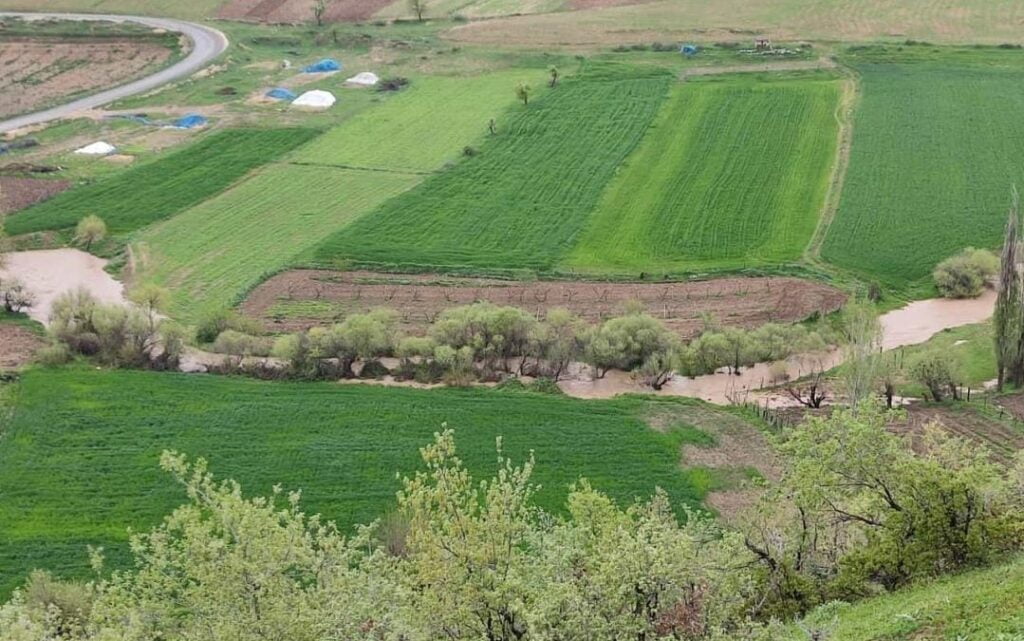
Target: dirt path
760	67
844	116
49	273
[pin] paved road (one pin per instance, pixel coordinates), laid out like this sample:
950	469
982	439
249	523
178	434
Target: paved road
207	44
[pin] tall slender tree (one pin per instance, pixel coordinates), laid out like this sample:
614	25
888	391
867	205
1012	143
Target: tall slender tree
1007	319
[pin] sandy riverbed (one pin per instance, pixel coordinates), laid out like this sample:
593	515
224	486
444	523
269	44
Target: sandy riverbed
48	273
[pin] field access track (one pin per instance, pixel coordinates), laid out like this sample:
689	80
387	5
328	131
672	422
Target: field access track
733	173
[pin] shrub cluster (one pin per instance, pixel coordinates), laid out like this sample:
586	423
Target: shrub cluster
483	341
116	335
966	274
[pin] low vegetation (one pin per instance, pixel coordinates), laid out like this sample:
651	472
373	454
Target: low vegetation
966	274
159	189
341	444
901	212
523	199
732	173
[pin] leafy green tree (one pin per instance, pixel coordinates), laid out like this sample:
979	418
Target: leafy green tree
523	91
862	347
1006	320
966	274
940	371
89	230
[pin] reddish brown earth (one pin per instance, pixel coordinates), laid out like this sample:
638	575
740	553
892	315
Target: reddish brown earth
600	4
299	299
982	422
19	193
293	11
17	345
38	72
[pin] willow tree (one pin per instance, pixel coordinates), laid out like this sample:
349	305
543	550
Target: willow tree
1007	320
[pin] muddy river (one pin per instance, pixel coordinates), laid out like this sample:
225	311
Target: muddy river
48	273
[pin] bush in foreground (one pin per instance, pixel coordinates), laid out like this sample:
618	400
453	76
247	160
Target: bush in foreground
966	274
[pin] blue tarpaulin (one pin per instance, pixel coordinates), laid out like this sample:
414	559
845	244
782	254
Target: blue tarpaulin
280	93
689	50
327	64
189	122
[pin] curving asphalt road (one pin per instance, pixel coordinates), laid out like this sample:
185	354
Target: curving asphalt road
207	44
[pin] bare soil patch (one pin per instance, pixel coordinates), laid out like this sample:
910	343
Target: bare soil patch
18	193
17	346
35	72
294	11
1002	433
300	299
738	447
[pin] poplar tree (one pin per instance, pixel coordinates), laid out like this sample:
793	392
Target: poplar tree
1007	318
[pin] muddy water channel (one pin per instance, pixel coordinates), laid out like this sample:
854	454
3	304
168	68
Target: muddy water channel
910	325
49	273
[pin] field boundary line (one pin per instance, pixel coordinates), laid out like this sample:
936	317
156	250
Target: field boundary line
844	117
761	67
384	170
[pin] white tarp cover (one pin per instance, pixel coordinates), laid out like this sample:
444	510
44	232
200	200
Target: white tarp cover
364	79
97	149
315	99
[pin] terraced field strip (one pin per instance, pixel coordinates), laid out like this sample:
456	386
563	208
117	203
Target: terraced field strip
473	8
423	127
163	187
188	10
524	198
936	148
79	466
212	253
733	173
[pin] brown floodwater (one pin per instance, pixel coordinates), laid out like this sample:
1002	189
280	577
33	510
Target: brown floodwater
48	273
909	325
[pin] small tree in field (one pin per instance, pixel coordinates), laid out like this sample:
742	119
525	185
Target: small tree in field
554	76
319	9
523	92
419	7
90	229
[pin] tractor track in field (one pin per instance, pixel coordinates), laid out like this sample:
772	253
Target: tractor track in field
844	116
207	44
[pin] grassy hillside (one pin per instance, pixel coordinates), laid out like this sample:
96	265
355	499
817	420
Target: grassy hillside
215	251
423	127
78	465
936	148
732	173
524	198
159	189
985	605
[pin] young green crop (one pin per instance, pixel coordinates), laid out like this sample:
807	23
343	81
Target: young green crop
936	147
212	253
161	188
422	127
522	200
733	173
78	464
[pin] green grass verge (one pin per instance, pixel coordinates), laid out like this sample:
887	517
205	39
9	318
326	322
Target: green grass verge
732	174
936	148
213	253
159	189
421	128
984	605
524	198
79	463
189	9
